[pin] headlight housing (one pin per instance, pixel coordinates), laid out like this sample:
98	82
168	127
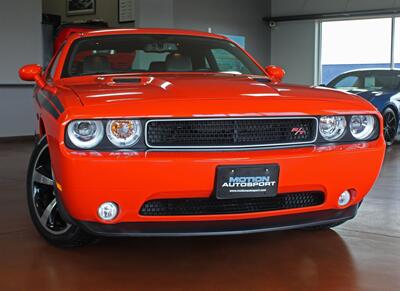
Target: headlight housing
362	127
105	134
332	128
85	134
124	133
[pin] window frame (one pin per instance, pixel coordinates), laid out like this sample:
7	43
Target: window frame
54	64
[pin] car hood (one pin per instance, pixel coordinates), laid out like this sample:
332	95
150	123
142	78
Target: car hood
167	95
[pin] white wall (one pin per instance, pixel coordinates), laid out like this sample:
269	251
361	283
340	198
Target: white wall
21	43
16	111
155	13
293	47
21	37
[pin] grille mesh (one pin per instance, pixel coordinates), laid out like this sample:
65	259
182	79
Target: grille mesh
211	206
231	132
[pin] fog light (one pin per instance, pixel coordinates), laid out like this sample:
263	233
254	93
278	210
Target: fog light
108	211
344	199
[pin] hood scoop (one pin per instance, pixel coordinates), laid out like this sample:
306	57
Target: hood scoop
127	80
262	80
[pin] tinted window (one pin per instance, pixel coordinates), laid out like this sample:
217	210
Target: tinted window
156	53
53	66
382	81
227	62
368	81
348	82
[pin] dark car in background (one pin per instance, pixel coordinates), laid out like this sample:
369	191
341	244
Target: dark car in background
381	87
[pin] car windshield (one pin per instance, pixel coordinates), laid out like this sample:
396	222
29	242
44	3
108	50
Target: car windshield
368	81
156	54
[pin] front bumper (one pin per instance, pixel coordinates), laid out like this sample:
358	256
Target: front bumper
211	228
130	179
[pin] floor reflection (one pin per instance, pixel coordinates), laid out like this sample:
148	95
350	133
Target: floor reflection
296	260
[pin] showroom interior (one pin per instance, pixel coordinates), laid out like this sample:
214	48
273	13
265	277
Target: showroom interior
315	42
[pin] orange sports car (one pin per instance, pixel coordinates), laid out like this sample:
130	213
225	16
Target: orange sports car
151	132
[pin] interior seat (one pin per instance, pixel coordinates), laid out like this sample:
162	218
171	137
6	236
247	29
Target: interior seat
157	67
96	64
179	63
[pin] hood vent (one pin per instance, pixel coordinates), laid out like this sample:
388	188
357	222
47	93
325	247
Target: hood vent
262	80
127	80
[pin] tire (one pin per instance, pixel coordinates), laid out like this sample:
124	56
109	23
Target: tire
391	124
42	203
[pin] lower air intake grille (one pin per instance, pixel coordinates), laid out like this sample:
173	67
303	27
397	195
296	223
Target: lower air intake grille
217	133
211	206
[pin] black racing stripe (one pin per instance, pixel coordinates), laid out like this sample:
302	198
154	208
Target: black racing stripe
40	98
47	106
35	96
36	90
53	98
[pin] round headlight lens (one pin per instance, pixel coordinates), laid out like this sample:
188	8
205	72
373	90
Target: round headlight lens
124	133
332	128
362	126
86	134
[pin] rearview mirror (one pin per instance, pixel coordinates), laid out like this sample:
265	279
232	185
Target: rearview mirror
275	73
161	47
32	73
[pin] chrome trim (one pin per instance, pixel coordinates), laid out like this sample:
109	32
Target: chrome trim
232	147
216	150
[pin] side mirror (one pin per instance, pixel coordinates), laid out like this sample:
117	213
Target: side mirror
32	73
276	73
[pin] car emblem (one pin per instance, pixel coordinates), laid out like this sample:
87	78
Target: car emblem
298	131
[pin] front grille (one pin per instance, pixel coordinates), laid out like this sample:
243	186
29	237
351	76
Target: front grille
225	133
212	206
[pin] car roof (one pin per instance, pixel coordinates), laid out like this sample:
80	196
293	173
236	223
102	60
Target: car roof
122	31
372	70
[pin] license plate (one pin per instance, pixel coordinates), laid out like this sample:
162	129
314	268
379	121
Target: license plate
247	181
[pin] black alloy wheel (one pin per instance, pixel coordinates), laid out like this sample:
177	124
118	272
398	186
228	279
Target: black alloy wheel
42	202
391	124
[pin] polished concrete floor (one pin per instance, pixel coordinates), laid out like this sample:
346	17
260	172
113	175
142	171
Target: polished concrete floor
363	254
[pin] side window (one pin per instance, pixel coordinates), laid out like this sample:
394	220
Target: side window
227	62
348	82
53	66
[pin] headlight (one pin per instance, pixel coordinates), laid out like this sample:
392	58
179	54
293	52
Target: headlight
124	133
362	126
85	134
332	128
